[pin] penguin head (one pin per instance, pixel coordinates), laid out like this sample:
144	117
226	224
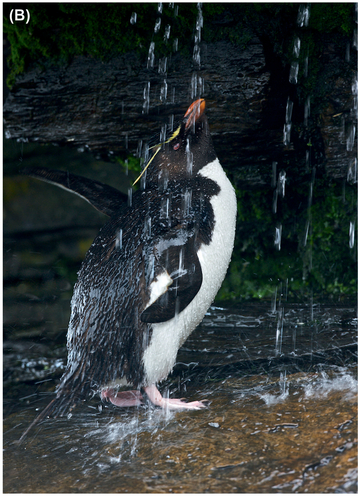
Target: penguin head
188	150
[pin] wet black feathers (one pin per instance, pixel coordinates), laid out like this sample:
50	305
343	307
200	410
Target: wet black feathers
109	329
111	325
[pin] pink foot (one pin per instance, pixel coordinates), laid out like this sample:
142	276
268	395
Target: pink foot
172	404
122	398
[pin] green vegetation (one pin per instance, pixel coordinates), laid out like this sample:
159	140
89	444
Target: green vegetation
324	264
59	31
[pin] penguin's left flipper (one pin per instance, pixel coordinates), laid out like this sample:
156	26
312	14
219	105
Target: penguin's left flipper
102	197
176	286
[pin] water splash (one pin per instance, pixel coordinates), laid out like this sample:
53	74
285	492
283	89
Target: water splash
336	380
273	399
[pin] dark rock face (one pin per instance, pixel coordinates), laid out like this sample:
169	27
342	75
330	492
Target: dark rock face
100	105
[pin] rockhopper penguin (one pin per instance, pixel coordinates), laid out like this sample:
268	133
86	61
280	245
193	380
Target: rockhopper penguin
151	273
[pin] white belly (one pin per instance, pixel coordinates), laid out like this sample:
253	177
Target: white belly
168	337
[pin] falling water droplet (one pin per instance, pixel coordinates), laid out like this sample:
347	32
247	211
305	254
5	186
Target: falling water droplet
157	25
275	201
189	158
288	122
167	33
352	171
274	174
160	7
278	236
151	55
133	19
146	98
171	122
197	82
306	111
163	133
281	183
162	65
351	234
306	233
355	95
129	201
294	69
165	208
355	39
187	201
350	138
279	332
303	15
296	47
283	384
119	239
306	61
274	301
175	44
139	148
147	226
163	92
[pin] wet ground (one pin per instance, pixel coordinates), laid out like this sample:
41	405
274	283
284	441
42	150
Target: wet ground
282	389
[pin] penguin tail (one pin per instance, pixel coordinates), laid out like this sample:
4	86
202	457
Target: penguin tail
58	407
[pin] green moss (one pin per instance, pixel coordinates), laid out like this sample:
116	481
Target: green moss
57	32
336	18
325	264
13	187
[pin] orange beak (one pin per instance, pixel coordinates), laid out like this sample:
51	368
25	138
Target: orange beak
194	111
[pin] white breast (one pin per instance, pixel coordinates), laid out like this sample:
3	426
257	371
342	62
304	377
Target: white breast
168	337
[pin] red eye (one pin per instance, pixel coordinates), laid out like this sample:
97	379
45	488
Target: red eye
177	146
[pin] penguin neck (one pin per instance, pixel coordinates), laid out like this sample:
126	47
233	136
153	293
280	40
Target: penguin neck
169	167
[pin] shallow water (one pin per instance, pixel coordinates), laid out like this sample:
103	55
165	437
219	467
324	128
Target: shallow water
280	418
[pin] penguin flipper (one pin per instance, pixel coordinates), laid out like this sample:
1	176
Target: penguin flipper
185	272
102	197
